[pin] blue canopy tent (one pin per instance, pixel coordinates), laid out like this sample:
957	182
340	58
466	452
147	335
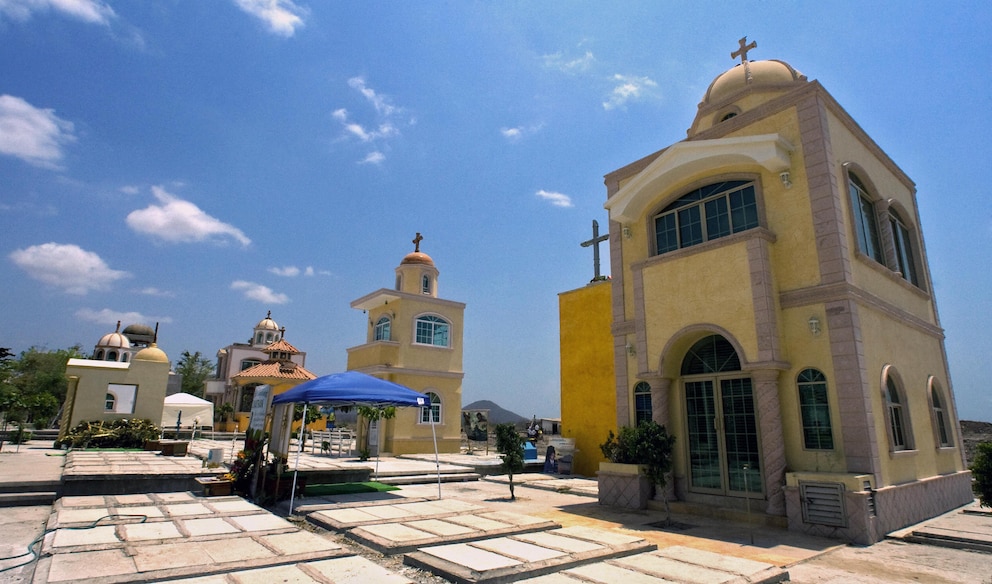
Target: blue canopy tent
353	388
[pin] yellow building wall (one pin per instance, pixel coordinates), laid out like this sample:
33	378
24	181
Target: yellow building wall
88	382
422	368
588	385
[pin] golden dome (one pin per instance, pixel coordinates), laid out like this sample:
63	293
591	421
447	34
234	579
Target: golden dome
752	75
151	353
417	257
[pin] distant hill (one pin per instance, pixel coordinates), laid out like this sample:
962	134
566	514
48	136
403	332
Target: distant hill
497	415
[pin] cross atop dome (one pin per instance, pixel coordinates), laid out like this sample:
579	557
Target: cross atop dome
416	242
744	48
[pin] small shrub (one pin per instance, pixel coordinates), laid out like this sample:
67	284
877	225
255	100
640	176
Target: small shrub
124	433
511	447
981	472
648	443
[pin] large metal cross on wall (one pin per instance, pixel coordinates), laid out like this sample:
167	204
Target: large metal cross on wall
595	241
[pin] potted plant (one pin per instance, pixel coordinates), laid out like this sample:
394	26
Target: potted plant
639	459
223	416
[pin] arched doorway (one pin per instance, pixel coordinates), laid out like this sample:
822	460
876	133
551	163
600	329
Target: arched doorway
722	432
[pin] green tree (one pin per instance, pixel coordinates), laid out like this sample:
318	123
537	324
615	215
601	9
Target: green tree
33	387
195	369
511	446
981	472
373	414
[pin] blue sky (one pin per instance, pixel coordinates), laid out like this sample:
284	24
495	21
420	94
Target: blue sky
201	163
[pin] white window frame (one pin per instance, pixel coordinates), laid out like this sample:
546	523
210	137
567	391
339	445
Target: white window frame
433	406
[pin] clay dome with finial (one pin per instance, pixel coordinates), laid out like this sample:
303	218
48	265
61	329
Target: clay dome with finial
267	323
416	256
114	340
752	75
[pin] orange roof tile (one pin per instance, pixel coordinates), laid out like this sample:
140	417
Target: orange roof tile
275	369
283	346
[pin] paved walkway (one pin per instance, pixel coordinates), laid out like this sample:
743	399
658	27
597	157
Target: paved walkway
181	537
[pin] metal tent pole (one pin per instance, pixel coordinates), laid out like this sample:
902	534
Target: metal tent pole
299	441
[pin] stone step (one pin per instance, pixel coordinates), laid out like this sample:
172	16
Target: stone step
418	479
29	486
27	499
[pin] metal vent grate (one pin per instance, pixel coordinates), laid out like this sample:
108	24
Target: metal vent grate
823	503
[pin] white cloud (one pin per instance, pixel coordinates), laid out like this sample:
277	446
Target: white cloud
627	88
379	102
89	11
282	17
108	316
308	271
373	158
153	291
259	292
179	221
514	134
32	134
66	266
378	132
287	271
556	199
571	66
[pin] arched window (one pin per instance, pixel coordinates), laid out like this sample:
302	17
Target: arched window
112	356
110	403
432	410
432	330
900	432
425	284
707	213
123	357
642	402
815	410
268	337
99	355
865	223
259	338
712	354
939	416
902	243
382	329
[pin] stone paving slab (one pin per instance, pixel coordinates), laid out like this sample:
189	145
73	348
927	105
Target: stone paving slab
512	558
676	564
187	537
406	536
349	517
969	527
347	570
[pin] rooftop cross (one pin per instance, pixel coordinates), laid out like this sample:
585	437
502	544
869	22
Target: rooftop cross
416	242
595	241
744	48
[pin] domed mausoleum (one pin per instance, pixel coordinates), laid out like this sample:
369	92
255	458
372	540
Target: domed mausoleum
771	305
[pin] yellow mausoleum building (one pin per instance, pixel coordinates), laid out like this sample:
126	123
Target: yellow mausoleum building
771	305
414	338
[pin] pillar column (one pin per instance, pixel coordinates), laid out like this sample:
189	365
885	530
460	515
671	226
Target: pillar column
772	438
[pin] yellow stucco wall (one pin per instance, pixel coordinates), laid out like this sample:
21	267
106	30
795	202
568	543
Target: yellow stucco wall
88	381
588	394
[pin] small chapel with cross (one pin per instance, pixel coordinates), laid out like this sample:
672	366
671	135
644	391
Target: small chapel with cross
414	337
771	306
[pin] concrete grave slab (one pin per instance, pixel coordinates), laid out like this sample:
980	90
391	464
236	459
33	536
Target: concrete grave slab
511	558
207	526
407	536
261	523
609	574
731	564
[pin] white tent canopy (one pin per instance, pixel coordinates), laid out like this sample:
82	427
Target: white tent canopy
191	408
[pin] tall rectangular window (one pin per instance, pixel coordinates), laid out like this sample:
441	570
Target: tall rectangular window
815	410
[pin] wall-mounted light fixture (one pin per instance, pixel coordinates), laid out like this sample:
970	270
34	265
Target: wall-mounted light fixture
627	233
631	350
814	325
786	179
